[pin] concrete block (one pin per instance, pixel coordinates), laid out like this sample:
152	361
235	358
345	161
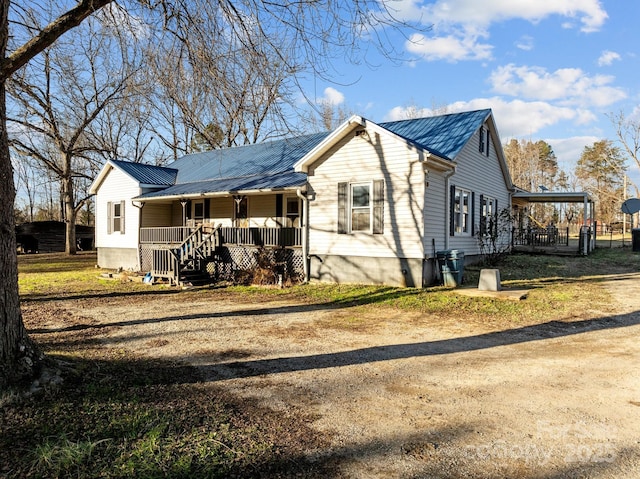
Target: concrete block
489	280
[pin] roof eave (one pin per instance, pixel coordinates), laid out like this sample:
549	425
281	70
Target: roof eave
355	121
219	194
438	163
95	186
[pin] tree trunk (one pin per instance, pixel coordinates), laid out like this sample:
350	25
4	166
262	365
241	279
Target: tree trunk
69	215
19	356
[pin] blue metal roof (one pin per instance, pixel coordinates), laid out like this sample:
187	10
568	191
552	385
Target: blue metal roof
287	179
271	165
148	174
443	135
241	161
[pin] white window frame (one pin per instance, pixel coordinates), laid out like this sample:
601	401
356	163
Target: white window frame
112	218
290	219
462	213
369	207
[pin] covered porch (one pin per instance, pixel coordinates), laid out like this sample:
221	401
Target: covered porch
531	235
220	234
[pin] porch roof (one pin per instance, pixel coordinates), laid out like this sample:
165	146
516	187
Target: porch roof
246	184
554	197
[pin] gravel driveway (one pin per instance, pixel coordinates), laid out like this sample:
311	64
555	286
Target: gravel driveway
406	396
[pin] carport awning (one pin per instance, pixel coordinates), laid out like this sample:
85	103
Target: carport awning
554	197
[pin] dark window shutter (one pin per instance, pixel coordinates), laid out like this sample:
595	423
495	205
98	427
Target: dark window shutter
483	218
188	210
495	222
488	142
109	217
472	213
279	205
481	143
342	207
452	210
207	208
122	217
378	207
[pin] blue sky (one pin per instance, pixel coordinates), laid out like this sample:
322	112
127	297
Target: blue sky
550	69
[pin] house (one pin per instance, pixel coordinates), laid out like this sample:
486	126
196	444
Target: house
368	202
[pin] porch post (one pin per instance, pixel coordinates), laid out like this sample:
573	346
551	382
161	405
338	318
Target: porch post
139	205
184	211
305	234
585	231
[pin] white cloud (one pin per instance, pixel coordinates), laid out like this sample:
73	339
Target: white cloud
406	112
607	58
332	97
481	14
525	43
569	150
568	86
460	24
515	119
452	48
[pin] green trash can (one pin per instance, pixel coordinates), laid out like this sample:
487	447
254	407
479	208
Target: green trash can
451	266
455	261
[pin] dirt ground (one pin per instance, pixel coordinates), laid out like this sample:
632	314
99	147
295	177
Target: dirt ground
406	396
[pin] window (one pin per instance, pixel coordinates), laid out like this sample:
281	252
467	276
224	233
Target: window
293	212
361	207
461	211
488	215
115	217
198	211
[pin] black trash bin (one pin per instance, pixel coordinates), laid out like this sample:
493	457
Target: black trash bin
635	239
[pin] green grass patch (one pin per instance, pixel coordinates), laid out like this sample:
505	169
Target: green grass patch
59	275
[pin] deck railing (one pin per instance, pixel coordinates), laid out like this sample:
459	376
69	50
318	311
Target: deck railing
165	265
261	236
541	237
165	235
252	236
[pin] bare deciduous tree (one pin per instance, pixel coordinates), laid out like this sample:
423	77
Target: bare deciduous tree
315	32
60	100
628	133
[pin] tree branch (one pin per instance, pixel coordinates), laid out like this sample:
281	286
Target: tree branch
48	35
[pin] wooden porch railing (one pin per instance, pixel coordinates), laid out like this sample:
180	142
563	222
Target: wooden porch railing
164	235
261	236
252	236
540	237
198	247
165	264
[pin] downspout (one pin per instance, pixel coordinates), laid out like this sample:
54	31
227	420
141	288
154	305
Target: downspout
305	233
140	206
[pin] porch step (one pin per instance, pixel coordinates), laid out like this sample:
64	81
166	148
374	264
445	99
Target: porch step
194	278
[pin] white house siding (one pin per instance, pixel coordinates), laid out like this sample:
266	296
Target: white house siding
156	215
482	175
394	257
436	224
262	211
221	210
117	250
